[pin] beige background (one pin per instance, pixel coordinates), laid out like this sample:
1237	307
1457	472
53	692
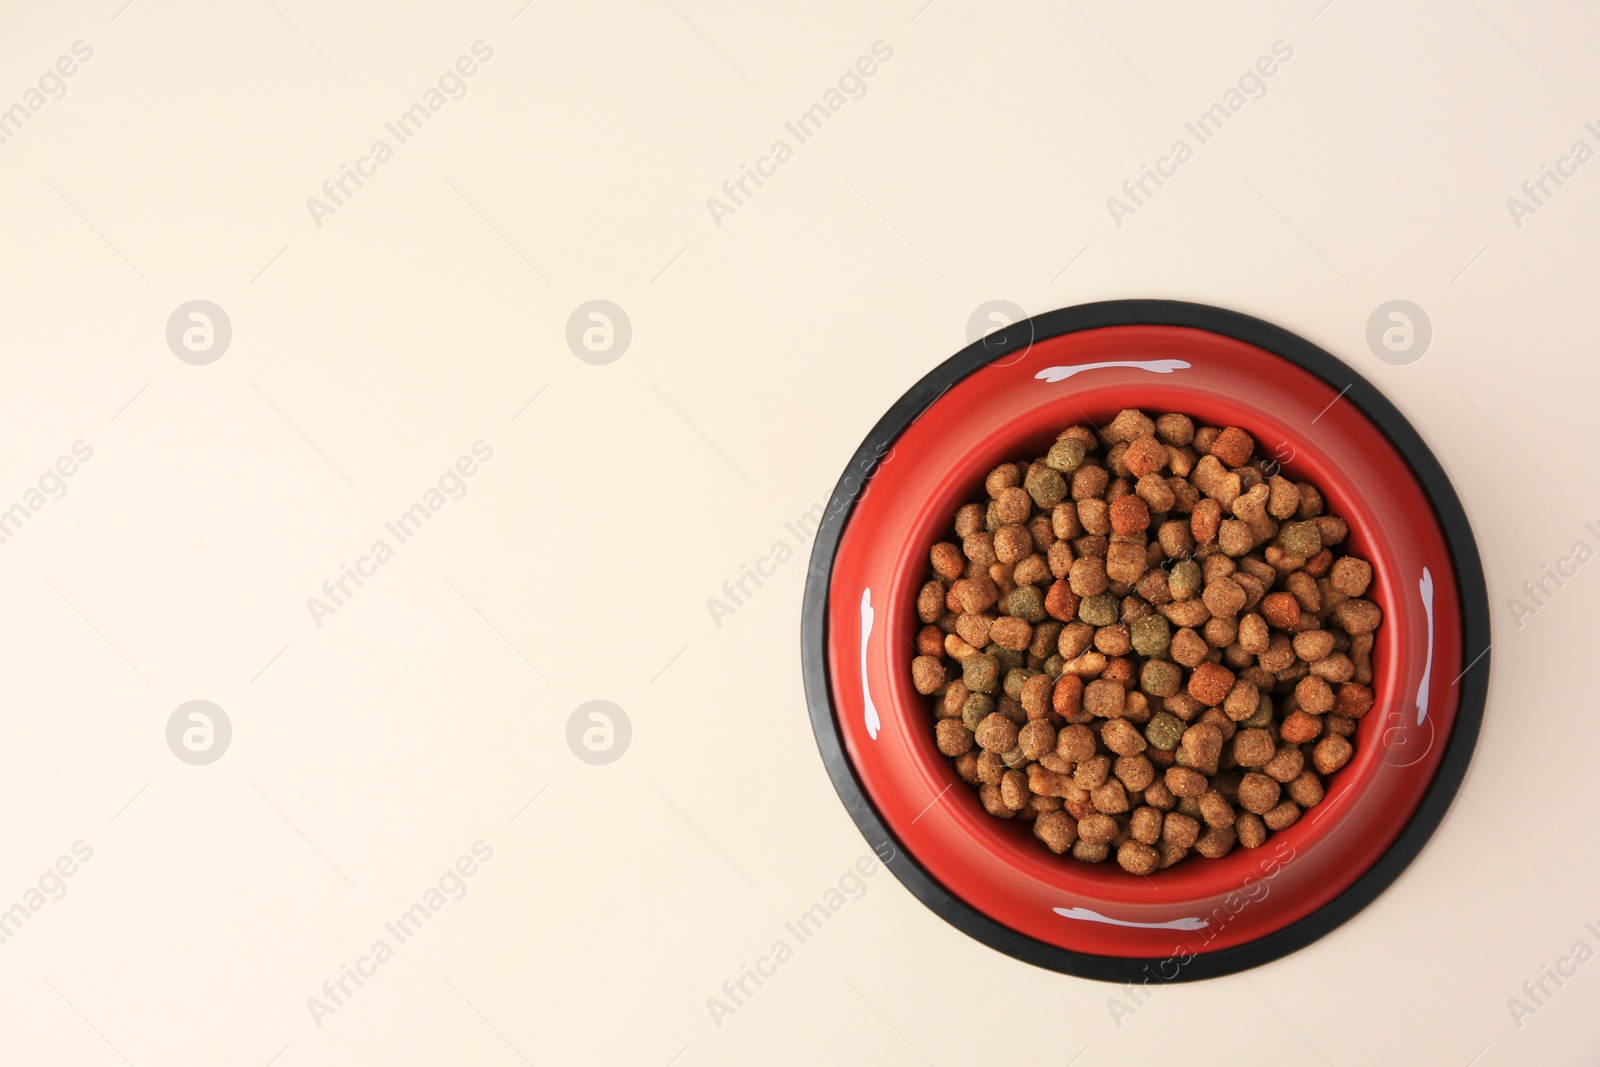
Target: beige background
371	752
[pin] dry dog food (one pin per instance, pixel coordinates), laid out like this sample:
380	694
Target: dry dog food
1147	643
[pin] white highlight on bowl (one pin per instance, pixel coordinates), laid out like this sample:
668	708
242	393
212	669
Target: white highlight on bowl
1426	588
1094	916
1157	366
870	711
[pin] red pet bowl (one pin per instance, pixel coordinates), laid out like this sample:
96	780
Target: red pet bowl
1009	395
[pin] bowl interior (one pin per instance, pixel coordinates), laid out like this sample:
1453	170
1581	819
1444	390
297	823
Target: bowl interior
1008	410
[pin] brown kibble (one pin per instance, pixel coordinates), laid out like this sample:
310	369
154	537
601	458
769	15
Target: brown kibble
1216	842
1283	816
1223	597
1012	505
930	601
1014	790
1011	632
1352	700
1121	737
996	733
927	674
1097	829
1358	616
1242	701
1235	538
1298	728
1185	781
1174	429
1145	825
1145	456
1285	765
1088	577
1186	613
1351	576
952	737
1084	852
1129	515
948	561
1330	754
1129	424
1136	772
1332	529
1136	857
1156	493
1036	693
1125	556
1254	636
1258	792
1036	738
1279	655
1182	830
1103	699
1233	447
1075	742
969	520
1283	498
1305	789
1188	648
1216	481
975	595
1066	699
1057	830
993	801
1061	602
1313	645
1216	811
974	629
1314	695
1210	683
1088	483
1205	520
1201	747
1109	796
1252	832
1334	669
1253	747
979	548
1281	610
1012	543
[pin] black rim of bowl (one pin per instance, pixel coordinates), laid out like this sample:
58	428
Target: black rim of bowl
1458	538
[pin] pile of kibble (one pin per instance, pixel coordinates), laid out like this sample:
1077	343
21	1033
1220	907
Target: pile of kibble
1147	643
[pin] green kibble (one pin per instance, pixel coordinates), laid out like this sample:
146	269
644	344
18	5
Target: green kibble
1150	634
1009	659
1046	486
1164	731
1185	580
1301	540
1016	759
979	706
1098	610
981	672
1054	665
991	519
1160	678
1026	602
1065	455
